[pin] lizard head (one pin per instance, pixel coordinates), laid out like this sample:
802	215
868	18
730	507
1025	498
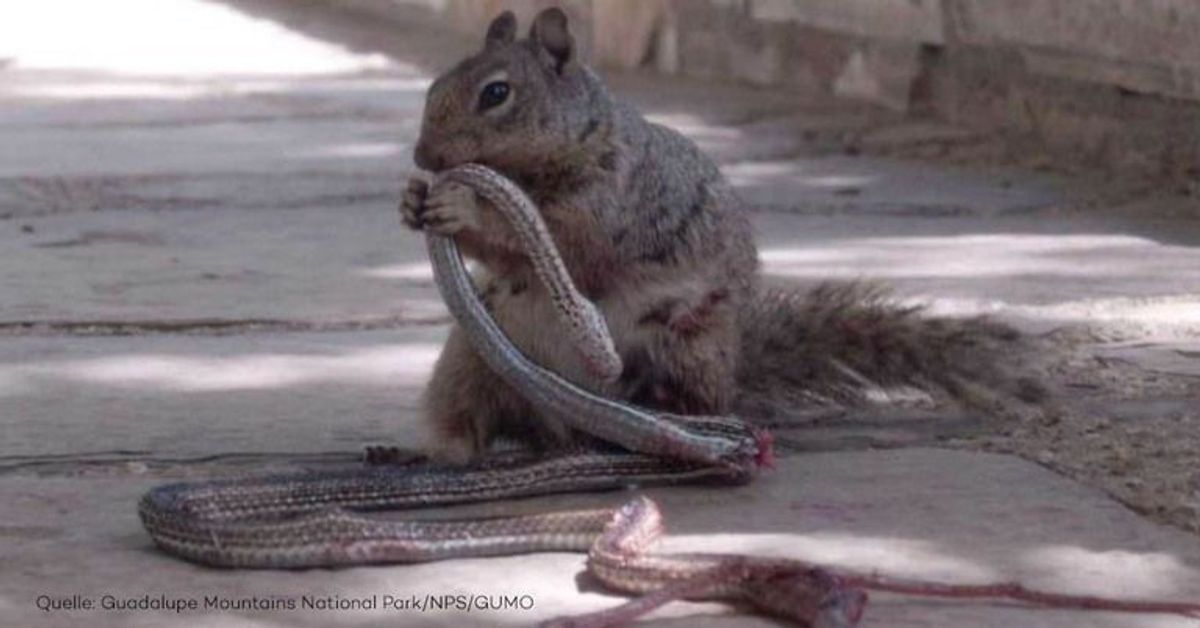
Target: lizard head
514	105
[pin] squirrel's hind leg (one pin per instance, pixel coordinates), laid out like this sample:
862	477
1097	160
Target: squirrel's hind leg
686	362
466	406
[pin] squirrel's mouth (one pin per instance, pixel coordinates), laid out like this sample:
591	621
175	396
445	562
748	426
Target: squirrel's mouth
429	158
439	155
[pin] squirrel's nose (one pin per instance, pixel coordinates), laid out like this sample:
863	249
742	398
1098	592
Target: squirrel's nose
426	158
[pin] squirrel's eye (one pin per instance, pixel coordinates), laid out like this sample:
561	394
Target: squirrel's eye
493	94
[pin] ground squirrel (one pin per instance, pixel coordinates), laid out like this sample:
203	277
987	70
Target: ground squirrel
652	233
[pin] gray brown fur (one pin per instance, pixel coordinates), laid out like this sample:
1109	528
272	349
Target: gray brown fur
834	344
648	229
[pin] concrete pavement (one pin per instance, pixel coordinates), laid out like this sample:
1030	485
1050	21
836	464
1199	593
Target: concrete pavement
993	518
204	274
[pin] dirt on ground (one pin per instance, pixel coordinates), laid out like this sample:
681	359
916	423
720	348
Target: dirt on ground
1131	432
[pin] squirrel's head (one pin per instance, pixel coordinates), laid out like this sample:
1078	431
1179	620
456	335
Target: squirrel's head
513	104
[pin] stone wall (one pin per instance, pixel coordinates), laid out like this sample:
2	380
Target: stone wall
1116	82
1150	46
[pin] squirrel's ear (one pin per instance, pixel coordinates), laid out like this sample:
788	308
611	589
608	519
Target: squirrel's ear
549	31
503	30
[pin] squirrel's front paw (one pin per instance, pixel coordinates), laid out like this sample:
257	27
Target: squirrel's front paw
412	204
449	208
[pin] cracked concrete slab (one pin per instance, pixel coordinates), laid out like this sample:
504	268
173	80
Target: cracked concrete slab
1175	358
854	185
296	146
180	395
329	263
66	99
917	513
1040	271
323	264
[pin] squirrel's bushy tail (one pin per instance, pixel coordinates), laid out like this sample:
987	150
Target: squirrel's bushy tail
850	344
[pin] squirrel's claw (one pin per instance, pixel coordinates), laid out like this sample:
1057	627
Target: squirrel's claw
412	203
